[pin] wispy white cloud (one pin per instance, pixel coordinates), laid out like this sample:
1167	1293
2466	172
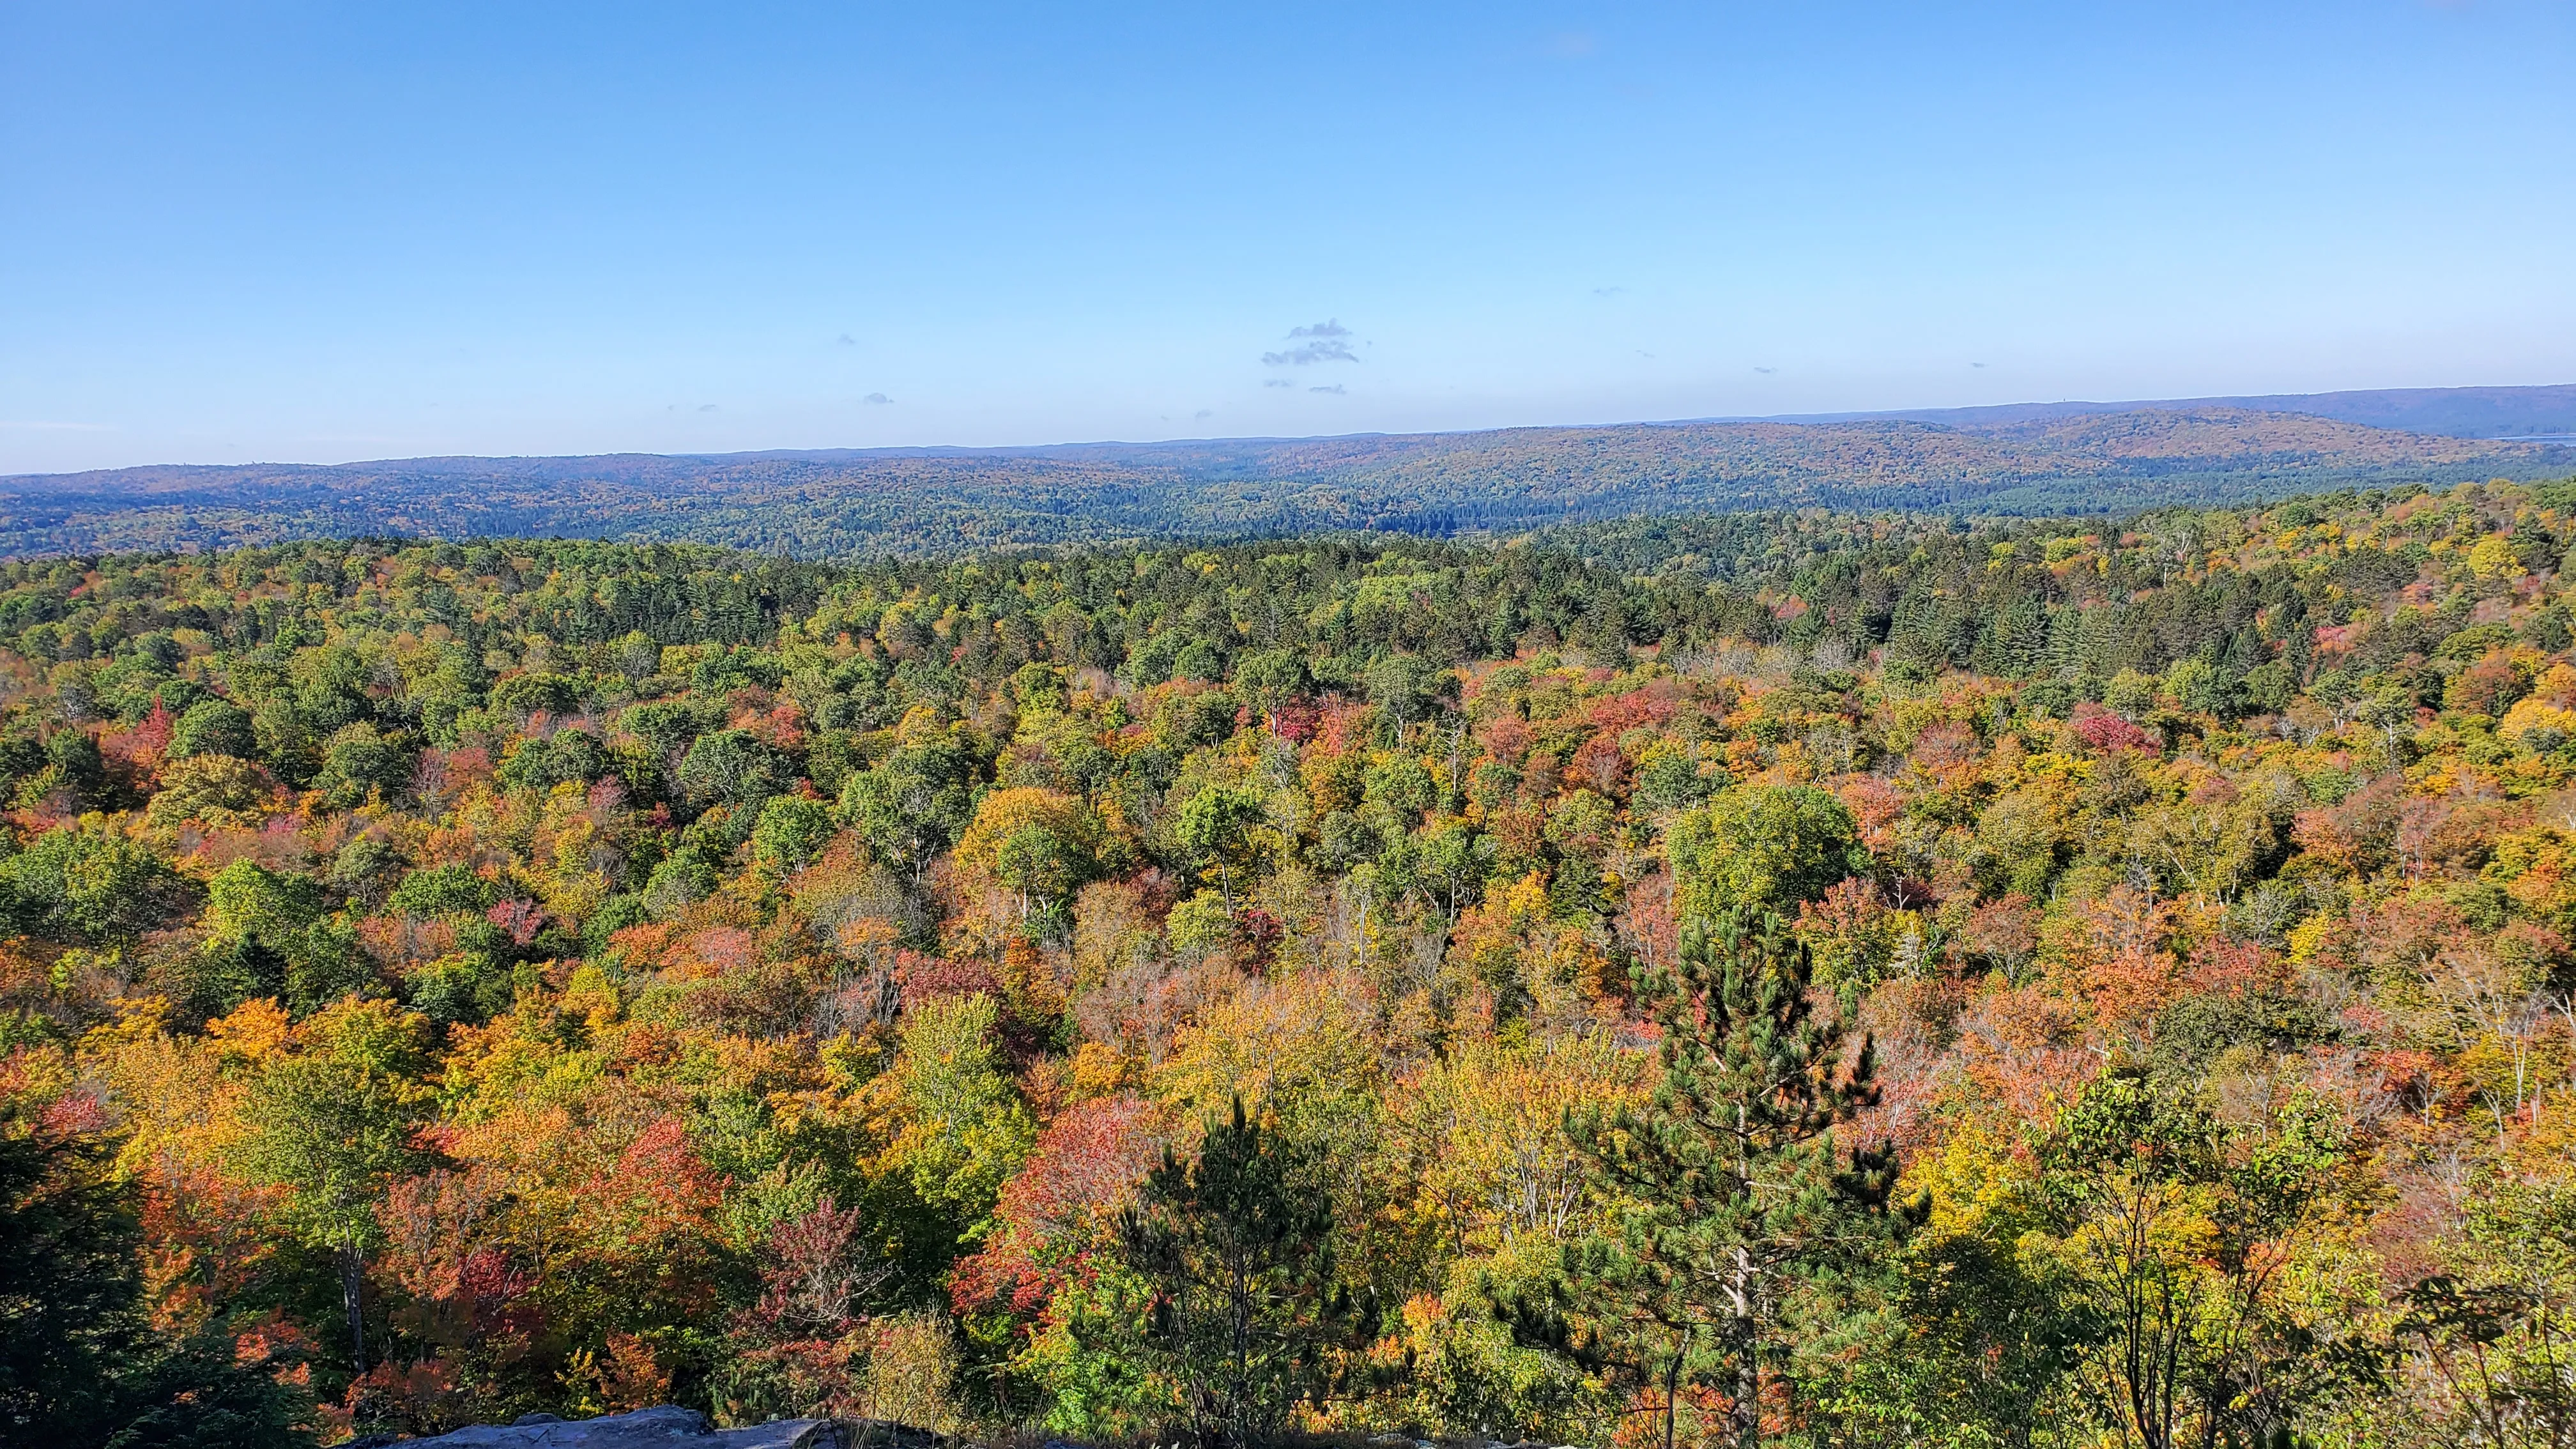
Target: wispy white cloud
1325	341
1311	352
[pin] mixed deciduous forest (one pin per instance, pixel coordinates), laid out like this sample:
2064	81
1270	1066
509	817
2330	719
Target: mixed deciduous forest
1806	978
858	504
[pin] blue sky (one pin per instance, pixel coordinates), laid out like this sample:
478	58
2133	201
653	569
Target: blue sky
333	231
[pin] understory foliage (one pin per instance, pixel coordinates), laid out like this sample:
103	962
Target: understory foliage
1805	979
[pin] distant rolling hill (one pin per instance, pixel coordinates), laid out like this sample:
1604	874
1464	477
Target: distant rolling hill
2048	458
2453	412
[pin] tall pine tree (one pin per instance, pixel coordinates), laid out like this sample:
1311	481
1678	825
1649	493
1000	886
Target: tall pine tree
1249	1316
1740	1215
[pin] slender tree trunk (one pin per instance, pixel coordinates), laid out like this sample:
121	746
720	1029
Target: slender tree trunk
1748	1391
1672	1390
353	1277
1745	1331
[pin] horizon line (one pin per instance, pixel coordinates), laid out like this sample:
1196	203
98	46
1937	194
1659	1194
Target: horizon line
2033	410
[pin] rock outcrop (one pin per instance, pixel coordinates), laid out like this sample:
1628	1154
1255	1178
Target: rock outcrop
666	1427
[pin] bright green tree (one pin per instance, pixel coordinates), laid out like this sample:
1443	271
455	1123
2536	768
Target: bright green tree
1270	678
88	887
792	831
963	1129
268	933
361	760
914	804
1216	828
213	727
1759	848
331	1122
730	767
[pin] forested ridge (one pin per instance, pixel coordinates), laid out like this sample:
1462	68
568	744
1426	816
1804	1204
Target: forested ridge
1806	978
845	504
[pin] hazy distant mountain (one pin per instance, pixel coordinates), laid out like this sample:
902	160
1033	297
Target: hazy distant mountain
2454	412
2045	458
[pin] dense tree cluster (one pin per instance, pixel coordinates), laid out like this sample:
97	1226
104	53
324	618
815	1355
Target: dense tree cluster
1811	978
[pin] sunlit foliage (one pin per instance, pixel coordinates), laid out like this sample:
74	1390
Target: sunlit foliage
1814	978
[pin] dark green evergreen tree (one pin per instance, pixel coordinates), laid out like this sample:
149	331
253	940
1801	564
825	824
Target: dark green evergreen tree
1249	1317
1741	1217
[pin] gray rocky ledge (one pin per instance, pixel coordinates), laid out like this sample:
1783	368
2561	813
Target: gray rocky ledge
666	1427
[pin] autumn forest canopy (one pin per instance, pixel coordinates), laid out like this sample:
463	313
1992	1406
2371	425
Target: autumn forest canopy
1807	977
